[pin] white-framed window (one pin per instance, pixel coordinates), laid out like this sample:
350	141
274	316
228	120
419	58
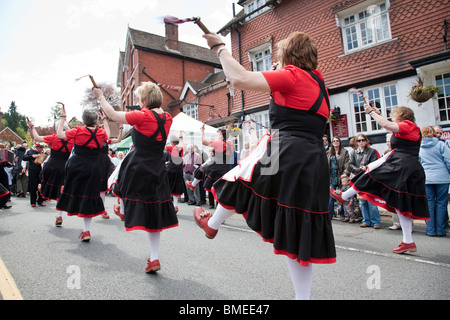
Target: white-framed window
260	122
252	5
443	97
261	57
365	26
191	109
384	97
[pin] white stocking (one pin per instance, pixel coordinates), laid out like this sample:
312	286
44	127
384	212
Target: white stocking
122	207
154	239
195	182
406	223
87	224
175	201
349	193
301	278
219	217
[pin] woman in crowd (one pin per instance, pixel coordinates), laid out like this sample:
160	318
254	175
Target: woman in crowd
359	159
52	177
338	162
142	183
81	192
434	156
396	181
281	187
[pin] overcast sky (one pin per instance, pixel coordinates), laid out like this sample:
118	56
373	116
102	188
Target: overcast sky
46	44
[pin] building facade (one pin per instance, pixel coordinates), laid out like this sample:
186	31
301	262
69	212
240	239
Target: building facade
378	46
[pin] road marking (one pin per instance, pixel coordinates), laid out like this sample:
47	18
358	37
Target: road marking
8	288
397	256
387	255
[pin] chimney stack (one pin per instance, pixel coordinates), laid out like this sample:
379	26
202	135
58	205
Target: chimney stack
172	36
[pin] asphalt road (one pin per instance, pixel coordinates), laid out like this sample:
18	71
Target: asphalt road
50	263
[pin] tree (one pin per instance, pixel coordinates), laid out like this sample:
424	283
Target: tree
110	92
14	120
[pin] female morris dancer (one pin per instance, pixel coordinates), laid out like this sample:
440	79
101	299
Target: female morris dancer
281	188
81	192
396	181
142	183
218	165
174	167
52	176
106	166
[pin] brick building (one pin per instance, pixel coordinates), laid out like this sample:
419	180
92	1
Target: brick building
163	60
378	46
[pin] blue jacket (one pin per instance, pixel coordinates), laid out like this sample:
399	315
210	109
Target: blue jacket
434	156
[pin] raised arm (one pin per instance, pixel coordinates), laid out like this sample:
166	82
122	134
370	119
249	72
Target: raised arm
117	116
238	76
33	132
380	119
60	131
119	136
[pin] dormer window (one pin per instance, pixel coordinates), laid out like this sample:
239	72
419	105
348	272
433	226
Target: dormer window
253	5
364	26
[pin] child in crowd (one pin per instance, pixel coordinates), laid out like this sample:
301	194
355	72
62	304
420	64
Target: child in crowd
349	205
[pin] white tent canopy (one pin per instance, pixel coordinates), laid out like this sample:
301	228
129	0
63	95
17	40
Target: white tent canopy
191	130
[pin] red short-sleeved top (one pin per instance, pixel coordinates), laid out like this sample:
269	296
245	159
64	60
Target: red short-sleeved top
145	122
220	146
81	135
175	151
294	88
55	143
408	130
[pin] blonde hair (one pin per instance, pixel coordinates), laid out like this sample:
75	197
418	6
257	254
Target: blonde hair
428	132
149	94
298	49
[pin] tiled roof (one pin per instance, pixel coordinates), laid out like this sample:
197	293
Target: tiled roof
145	40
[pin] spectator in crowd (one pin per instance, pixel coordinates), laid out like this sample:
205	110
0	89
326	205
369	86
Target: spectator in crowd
359	160
434	156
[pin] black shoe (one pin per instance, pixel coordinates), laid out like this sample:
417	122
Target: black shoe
6	206
191	203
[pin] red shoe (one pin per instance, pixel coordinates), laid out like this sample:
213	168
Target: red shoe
201	218
403	247
336	196
117	211
152	266
85	236
176	209
42	204
105	215
33	205
58	221
189	185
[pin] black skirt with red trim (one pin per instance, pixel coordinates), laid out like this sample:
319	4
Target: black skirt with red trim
176	180
52	175
211	171
282	190
106	167
143	185
81	192
397	184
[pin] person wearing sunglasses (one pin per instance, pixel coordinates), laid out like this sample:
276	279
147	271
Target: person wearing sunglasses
395	182
338	162
359	159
